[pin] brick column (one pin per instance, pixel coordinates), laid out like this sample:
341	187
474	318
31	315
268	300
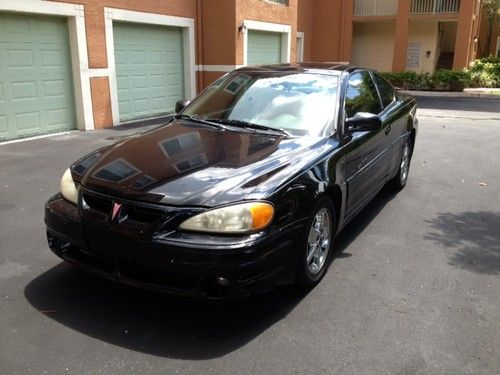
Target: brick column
401	36
464	35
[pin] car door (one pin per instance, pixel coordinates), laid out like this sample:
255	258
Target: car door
393	118
367	157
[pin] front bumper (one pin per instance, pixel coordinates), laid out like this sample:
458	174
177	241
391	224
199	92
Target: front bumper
191	265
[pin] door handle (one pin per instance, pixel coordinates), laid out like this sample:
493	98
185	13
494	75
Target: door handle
388	130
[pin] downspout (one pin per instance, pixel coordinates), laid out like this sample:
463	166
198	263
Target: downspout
199	51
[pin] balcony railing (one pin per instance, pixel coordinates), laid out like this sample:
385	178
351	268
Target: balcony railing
435	6
375	7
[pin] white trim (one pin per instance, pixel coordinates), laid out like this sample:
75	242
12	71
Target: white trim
38	137
78	48
99	72
300	47
286	36
187	25
217	68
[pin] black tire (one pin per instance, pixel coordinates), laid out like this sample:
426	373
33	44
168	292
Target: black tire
399	181
305	277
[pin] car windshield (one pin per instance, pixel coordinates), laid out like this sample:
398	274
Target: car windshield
301	104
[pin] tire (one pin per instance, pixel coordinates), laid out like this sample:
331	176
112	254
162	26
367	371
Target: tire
399	181
312	267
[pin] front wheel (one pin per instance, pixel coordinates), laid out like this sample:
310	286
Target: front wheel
317	244
399	181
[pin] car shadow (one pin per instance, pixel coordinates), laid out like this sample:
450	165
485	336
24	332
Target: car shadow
351	231
151	322
164	325
474	235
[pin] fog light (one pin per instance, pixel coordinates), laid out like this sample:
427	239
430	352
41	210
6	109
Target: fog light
222	281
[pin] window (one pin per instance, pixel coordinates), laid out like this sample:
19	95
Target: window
385	89
361	95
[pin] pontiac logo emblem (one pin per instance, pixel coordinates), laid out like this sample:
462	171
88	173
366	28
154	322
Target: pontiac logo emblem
116	210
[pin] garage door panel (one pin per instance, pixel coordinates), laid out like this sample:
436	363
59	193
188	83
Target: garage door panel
54	88
52	58
56	118
23	90
15	25
150	69
3	125
35	76
20	59
263	47
27	121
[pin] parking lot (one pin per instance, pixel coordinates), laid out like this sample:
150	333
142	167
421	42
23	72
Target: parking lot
413	288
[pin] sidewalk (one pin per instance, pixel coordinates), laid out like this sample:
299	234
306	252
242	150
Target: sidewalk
467	93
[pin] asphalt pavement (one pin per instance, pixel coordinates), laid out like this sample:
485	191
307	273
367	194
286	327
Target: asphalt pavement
414	286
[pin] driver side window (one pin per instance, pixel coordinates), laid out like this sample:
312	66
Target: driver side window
361	95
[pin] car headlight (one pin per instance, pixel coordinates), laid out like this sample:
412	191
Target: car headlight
68	187
240	218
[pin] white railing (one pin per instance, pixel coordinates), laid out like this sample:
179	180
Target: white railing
375	7
435	6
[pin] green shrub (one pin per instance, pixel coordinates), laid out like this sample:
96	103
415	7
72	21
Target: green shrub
409	80
450	80
485	72
441	80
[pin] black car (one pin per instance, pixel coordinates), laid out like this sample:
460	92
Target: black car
244	189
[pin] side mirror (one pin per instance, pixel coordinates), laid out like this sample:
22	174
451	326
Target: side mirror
362	122
181	104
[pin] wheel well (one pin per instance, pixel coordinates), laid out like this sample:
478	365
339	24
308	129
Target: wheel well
335	194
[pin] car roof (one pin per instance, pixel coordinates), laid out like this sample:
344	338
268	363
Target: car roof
330	68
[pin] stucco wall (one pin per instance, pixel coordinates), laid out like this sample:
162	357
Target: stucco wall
373	45
426	33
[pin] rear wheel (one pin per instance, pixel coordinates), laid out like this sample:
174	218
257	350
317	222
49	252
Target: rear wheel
399	181
317	244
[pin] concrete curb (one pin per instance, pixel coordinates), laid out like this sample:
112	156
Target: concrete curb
446	94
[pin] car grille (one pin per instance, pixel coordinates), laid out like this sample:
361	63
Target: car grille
132	215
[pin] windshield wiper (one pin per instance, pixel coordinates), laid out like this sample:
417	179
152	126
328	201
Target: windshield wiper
198	120
251	125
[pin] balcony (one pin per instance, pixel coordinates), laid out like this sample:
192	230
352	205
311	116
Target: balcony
375	7
434	6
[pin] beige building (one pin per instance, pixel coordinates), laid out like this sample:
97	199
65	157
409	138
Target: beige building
89	64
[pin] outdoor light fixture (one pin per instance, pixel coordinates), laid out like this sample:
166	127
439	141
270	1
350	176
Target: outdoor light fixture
242	28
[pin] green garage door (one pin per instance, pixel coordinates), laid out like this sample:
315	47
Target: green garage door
149	69
263	47
36	89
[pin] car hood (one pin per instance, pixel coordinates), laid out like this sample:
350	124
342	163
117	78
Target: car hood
185	163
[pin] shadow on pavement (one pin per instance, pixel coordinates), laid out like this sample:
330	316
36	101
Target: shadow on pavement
361	221
167	326
474	235
151	322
